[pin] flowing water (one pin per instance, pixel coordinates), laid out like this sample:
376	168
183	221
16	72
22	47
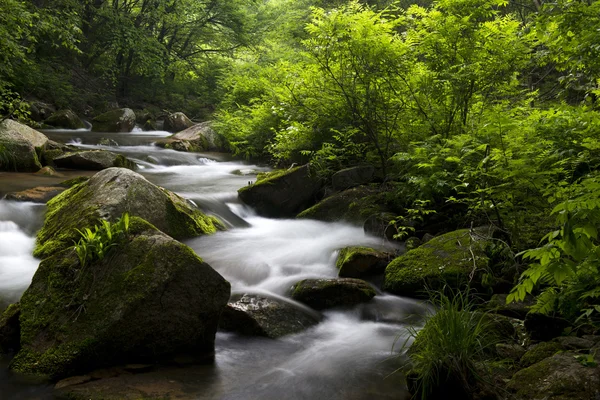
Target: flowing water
349	355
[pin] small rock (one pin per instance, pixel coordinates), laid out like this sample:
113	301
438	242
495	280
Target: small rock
177	122
510	351
74	380
40	194
108	142
426	238
328	293
357	262
540	351
48	171
574	343
257	315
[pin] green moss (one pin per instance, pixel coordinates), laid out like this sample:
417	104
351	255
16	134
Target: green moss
124	162
186	222
539	352
349	254
75	181
58	232
447	259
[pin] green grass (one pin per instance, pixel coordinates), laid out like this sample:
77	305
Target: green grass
447	351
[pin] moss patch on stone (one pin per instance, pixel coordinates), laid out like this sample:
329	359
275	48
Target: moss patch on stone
448	259
539	352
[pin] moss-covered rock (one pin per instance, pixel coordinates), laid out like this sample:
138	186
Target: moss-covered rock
10	329
151	298
327	293
66	119
258	315
199	137
120	120
352	205
560	377
110	193
452	259
540	351
20	147
176	122
93	160
283	194
358	262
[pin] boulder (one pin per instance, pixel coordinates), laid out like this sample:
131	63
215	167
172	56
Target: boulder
177	122
358	262
93	160
48	171
540	351
110	193
20	147
452	259
352	205
574	343
39	110
54	150
40	194
327	293
150	300
10	329
351	177
282	193
119	120
65	119
200	137
258	315
560	377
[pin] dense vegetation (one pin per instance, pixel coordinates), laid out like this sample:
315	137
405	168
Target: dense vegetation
488	108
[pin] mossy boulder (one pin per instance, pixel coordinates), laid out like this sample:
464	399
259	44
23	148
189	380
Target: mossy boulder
540	351
452	259
176	122
10	329
358	262
66	119
560	377
328	293
120	120
352	205
199	137
351	177
20	147
283	193
40	194
151	298
54	150
259	315
93	160
110	193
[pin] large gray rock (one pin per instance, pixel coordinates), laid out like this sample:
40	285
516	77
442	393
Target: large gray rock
283	193
200	137
66	119
560	377
120	120
20	147
151	299
177	122
257	315
328	293
110	193
351	177
93	160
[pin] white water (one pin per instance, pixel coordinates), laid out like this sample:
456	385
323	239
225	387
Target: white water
17	265
350	354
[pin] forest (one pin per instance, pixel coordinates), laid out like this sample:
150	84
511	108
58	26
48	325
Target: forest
472	112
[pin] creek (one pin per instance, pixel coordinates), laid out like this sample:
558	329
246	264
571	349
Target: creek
349	355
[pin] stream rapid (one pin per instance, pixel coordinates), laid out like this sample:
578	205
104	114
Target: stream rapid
351	354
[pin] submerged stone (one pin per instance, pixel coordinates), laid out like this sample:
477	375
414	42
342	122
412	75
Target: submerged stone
258	315
40	194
